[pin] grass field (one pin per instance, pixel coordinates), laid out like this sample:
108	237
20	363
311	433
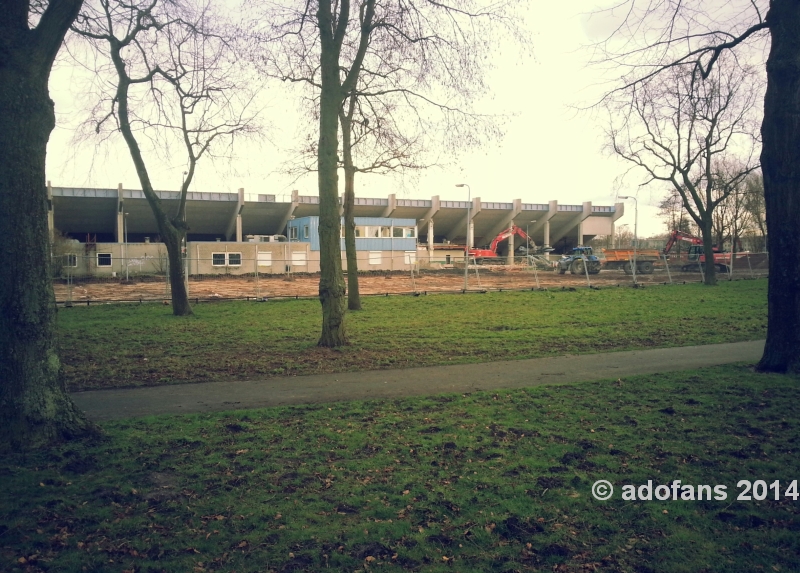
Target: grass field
134	345
478	482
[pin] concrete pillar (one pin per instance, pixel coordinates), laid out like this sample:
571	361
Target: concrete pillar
476	208
619	211
471	234
235	225
428	217
510	256
289	213
552	209
507	221
430	236
546	234
543	222
387	212
120	226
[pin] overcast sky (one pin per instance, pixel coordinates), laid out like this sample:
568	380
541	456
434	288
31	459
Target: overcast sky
550	150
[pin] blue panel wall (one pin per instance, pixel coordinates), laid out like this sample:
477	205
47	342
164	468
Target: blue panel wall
362	244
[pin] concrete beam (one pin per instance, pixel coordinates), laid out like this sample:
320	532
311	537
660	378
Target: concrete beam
543	222
428	217
565	229
235	224
516	209
289	212
390	208
475	208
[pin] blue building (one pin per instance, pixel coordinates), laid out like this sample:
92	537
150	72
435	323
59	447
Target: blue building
372	233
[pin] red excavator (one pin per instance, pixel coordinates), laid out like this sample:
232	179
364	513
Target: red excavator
492	255
722	259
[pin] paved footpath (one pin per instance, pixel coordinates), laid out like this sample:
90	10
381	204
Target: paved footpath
373	384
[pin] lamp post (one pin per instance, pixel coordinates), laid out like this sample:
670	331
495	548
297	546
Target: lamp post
125	233
466	248
635	230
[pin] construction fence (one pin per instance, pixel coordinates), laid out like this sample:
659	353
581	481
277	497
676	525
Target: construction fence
87	279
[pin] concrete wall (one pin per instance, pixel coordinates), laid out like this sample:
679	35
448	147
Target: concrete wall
232	258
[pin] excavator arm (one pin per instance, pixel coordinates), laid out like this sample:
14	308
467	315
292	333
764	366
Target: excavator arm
503	235
676	236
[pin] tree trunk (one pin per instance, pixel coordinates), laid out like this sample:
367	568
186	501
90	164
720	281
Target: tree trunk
331	282
171	231
707	233
35	408
780	164
353	294
173	239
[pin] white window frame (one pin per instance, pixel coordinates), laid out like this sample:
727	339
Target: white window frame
306	232
375	257
397	232
71	260
299	258
226	261
293	233
110	260
410	257
264	258
362	232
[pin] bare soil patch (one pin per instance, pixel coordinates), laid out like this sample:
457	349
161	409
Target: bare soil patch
491	278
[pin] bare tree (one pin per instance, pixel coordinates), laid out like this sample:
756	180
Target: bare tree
677	127
675	217
35	408
399	64
176	81
731	217
654	36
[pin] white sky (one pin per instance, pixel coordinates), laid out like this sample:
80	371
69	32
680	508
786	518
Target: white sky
550	151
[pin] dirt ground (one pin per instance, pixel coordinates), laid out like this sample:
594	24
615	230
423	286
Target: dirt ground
279	286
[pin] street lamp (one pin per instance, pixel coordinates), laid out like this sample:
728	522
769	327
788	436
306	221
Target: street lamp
466	248
635	230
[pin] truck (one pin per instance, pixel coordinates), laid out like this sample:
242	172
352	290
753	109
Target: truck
696	255
646	259
575	260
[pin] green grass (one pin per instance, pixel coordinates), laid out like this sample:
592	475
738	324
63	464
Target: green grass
478	482
133	345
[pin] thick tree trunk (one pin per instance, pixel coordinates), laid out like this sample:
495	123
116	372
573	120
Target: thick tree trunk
331	282
709	270
35	408
173	239
353	294
780	164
